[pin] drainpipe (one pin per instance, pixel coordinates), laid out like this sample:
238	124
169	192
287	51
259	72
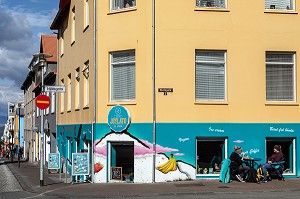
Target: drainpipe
154	89
95	87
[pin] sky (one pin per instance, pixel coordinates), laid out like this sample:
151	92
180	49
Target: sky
22	22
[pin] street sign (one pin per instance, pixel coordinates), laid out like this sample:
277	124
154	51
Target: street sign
55	89
42	102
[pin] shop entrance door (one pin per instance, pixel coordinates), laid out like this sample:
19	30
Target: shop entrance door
122	156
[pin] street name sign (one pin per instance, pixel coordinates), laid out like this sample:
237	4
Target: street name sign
42	101
55	89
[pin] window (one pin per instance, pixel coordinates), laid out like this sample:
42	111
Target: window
123	76
47	109
210	153
279	4
77	88
62	44
73	26
52	102
211	3
86	73
62	98
122	4
86	13
69	93
210	75
280	77
288	149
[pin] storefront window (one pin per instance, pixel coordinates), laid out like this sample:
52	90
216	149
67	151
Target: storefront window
210	153
288	149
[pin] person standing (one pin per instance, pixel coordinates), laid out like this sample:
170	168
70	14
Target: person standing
277	156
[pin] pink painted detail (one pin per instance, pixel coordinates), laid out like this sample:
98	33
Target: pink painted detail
138	150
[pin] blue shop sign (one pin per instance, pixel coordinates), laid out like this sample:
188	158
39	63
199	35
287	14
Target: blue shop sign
118	119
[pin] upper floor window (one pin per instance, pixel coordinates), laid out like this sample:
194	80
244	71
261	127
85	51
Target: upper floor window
73	26
86	74
211	3
122	4
280	77
210	75
123	76
279	4
86	13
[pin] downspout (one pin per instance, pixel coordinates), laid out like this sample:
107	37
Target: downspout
154	89
95	88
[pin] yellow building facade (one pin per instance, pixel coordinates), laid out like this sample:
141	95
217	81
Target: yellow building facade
193	80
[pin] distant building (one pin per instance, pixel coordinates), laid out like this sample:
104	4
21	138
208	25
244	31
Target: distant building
32	88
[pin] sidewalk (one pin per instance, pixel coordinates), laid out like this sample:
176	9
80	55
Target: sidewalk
28	175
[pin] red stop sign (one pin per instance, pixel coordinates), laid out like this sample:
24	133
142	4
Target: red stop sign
42	101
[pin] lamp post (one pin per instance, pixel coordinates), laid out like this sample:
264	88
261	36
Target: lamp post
42	63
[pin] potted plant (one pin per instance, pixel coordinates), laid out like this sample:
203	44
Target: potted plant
131	176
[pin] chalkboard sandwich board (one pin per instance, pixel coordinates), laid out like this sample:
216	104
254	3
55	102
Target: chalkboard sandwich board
116	173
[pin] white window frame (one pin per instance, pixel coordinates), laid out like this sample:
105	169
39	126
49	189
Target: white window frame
69	92
86	74
86	13
62	44
73	28
281	87
198	90
52	102
47	109
225	139
62	98
211	4
130	93
122	4
77	88
280	5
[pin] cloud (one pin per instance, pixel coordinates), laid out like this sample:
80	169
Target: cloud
21	27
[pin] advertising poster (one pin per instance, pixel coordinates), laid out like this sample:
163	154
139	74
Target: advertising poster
54	161
80	164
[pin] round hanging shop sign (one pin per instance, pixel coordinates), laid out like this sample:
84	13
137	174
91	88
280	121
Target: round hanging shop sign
118	119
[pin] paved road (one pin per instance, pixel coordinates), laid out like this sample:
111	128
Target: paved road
8	182
23	182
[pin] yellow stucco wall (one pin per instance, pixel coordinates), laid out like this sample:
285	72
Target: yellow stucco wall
75	55
244	30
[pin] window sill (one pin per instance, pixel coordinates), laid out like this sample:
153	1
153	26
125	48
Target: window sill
86	107
210	103
121	103
121	11
62	55
77	109
68	111
62	112
281	12
281	104
73	42
213	9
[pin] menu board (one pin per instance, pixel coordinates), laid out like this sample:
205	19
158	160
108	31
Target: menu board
116	173
54	161
80	164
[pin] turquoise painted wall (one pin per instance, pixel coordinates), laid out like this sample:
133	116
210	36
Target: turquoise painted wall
181	137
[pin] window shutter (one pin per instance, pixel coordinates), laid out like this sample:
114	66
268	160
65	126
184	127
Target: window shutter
280	77
123	76
279	4
210	75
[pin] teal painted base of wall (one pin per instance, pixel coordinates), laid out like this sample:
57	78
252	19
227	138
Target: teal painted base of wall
180	138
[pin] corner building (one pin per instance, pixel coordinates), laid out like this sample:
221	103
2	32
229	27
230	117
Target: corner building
171	80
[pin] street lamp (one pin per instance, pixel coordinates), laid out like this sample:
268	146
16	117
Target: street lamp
42	63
